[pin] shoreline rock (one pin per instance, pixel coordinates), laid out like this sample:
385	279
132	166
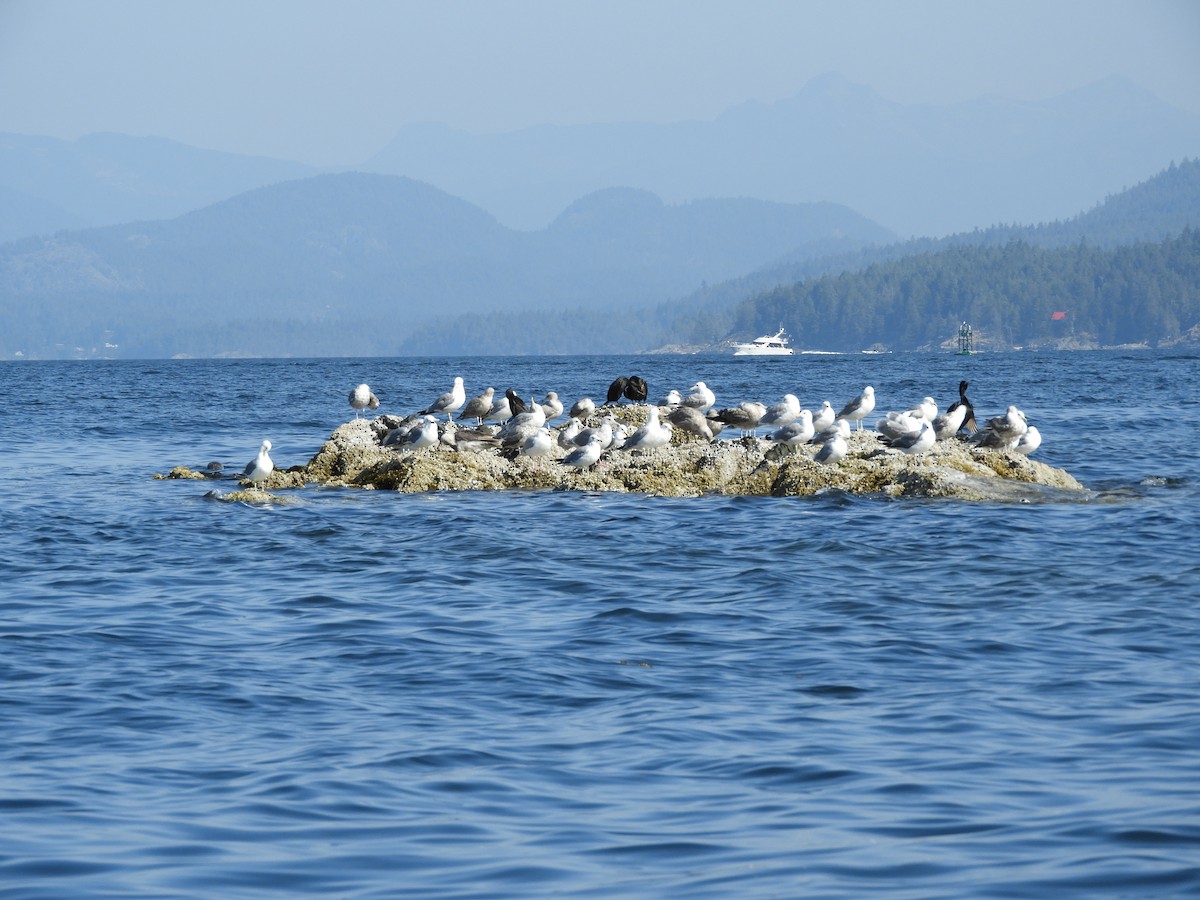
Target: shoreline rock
688	467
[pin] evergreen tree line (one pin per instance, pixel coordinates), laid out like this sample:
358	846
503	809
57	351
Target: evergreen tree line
1145	292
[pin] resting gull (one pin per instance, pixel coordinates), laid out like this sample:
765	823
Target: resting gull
700	398
259	469
832	450
1029	441
948	423
1003	432
551	406
361	398
586	456
673	399
914	442
651	435
797	432
691	421
582	408
823	417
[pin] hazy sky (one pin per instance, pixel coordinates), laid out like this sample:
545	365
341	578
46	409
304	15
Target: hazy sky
329	83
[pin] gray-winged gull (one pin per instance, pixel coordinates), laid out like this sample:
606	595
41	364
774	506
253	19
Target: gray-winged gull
259	469
860	407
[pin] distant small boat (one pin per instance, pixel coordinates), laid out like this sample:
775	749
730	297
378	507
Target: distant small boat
768	345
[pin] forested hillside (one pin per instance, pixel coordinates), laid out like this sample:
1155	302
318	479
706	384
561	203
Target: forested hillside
1015	295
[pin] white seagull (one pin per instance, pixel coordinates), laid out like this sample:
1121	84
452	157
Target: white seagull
1003	432
860	407
582	408
781	413
917	442
552	406
259	469
1029	441
823	417
361	398
795	433
450	402
833	450
653	434
586	456
700	398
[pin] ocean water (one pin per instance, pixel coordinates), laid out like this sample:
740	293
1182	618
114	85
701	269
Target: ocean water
364	694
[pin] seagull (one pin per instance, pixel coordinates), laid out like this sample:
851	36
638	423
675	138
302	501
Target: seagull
421	437
397	435
582	408
915	442
586	456
499	412
685	418
797	432
673	399
746	416
603	431
700	398
839	428
566	434
926	409
551	406
517	428
823	417
450	402
781	413
468	439
1029	441
259	469
895	426
948	423
833	450
1003	432
361	398
539	443
860	407
478	407
651	435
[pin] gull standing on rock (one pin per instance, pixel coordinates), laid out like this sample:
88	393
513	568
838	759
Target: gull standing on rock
1029	441
795	433
586	456
1003	432
915	442
833	450
651	435
860	407
259	469
450	402
478	407
691	421
361	398
420	437
673	399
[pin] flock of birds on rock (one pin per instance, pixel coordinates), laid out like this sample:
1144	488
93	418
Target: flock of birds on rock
519	427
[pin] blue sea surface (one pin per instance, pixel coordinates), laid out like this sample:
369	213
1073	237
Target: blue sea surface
365	694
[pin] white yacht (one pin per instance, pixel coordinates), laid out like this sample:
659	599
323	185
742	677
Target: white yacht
768	345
